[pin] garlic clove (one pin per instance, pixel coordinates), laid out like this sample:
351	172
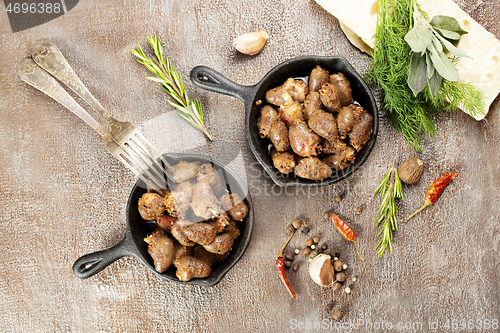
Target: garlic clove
251	42
321	270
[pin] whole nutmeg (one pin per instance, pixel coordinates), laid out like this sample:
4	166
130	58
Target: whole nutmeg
411	170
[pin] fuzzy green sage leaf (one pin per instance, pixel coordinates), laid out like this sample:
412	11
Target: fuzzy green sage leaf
417	75
419	37
443	65
448	34
447	23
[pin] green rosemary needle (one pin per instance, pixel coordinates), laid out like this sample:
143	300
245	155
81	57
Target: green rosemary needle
390	189
171	82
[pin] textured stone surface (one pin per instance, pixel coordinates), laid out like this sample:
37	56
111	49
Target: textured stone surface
62	195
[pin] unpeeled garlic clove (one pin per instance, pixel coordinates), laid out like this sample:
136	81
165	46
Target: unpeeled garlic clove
321	270
251	42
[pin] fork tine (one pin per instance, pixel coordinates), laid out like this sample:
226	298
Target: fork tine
143	161
151	151
139	172
142	152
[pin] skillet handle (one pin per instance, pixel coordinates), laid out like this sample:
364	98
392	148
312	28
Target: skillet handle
209	79
92	263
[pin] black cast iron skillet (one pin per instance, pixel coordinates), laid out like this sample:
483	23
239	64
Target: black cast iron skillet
137	229
254	99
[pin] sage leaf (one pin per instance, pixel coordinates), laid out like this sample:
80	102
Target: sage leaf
443	65
448	34
434	82
437	44
447	23
417	73
419	37
430	66
452	49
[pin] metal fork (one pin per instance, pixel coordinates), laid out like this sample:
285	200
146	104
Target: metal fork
124	141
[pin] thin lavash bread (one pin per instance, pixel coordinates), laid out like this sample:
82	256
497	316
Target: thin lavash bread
358	20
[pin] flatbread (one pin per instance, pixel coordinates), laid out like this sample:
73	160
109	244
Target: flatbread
358	19
356	40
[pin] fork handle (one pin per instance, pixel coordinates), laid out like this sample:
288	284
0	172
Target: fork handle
30	73
49	57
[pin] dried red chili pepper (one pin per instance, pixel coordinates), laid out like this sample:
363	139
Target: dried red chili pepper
435	190
346	231
280	266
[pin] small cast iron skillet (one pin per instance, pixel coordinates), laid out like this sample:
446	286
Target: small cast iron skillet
254	99
137	229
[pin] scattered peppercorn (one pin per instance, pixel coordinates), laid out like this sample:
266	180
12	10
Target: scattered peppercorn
314	254
297	251
316	239
327	252
305	230
336	286
341	277
306	251
296	223
337	266
337	315
324	246
303	222
338	198
309	242
295	266
288	264
326	216
289	230
290	255
359	210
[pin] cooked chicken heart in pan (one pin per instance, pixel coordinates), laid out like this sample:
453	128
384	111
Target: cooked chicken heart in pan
200	195
268	116
303	140
161	249
283	161
151	206
298	89
317	118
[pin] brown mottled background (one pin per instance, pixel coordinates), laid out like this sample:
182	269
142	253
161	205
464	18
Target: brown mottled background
62	195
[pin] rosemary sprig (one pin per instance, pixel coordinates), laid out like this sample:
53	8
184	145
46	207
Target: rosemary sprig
171	82
390	189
